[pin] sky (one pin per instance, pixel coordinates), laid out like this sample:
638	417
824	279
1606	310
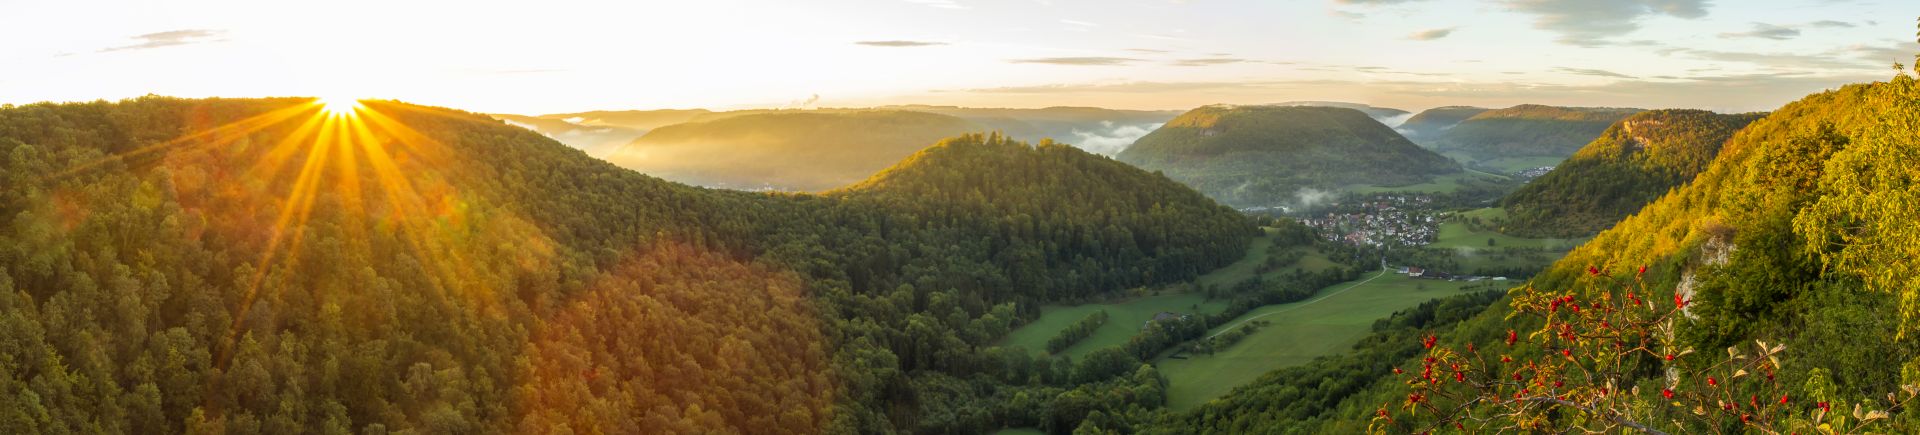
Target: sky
574	55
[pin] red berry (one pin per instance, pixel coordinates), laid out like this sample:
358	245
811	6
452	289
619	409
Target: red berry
1667	392
1669	357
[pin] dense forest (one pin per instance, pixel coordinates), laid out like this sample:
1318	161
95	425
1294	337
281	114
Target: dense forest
1795	235
1428	125
262	266
1264	155
1528	130
804	151
1635	162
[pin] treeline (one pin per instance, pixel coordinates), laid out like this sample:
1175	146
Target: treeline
1079	330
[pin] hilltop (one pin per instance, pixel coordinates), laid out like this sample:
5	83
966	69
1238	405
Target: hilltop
1520	137
1264	155
1634	162
1428	125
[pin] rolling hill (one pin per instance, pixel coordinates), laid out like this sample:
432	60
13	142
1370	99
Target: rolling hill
1265	155
786	150
1428	125
206	266
1508	140
1635	162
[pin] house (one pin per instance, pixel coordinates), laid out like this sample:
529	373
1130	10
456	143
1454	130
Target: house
1403	270
1163	315
1416	272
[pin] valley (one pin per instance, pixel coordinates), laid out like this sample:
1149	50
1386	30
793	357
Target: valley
958	217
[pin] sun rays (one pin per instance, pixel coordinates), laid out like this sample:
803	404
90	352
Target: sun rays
334	160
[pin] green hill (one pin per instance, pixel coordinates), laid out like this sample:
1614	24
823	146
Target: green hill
1264	155
786	150
1525	135
1430	124
1797	233
1634	162
260	266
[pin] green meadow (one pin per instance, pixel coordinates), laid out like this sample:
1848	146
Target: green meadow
1329	323
1125	316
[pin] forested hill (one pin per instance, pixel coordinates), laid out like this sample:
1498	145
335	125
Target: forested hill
267	266
1264	155
994	185
1426	126
802	151
1797	234
1528	130
1634	162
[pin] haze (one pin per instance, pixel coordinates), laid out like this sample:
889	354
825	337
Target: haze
543	57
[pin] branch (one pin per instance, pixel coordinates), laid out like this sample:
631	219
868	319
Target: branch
1614	418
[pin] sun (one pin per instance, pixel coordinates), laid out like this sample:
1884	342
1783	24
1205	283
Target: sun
337	105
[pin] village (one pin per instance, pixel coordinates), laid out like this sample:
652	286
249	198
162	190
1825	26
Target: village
1382	220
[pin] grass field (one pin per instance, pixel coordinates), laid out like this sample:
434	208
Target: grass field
1458	235
1473	252
1327	324
1125	317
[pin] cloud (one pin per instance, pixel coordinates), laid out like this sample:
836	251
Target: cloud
1593	72
1080	61
169	39
1431	34
1830	23
1739	92
1789	60
1112	138
1211	61
897	43
1078	23
942	4
1147	50
1589	22
1767	31
1885	55
1373	2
